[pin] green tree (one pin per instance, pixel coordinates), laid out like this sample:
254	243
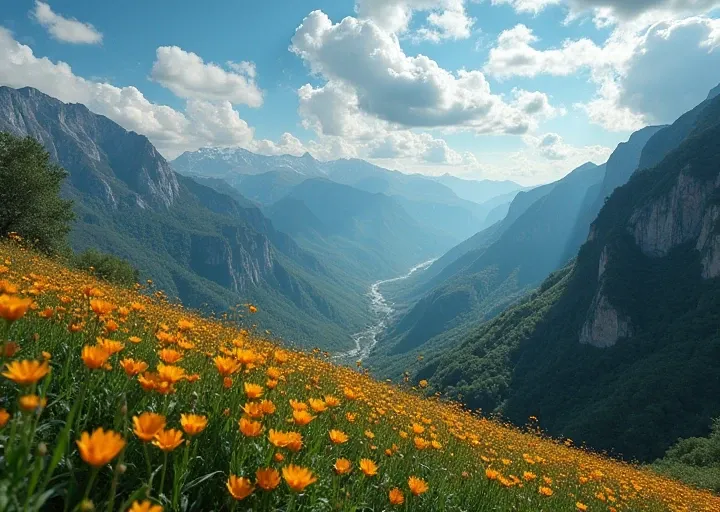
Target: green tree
111	268
30	202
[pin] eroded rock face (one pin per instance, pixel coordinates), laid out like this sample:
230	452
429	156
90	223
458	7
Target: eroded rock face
604	325
673	219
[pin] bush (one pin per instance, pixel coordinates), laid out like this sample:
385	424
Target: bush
111	268
30	202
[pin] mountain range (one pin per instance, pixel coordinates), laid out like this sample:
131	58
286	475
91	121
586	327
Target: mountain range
619	347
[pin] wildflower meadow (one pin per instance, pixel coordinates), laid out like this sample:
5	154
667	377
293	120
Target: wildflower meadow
115	399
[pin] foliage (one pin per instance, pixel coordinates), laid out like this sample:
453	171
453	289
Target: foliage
30	203
106	266
695	460
89	355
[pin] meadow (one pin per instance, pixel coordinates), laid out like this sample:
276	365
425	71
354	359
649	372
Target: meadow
115	399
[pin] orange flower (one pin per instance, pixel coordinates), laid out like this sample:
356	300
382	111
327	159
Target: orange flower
168	440
317	405
145	506
31	402
298	406
254	410
302	417
368	467
193	424
581	506
100	447
239	488
226	365
267	407
101	307
253	390
26	372
171	374
342	466
250	428
185	325
4	417
170	356
267	479
147	425
94	357
297	477
290	440
13	308
417	485
338	437
331	401
133	367
396	496
491	474
134	339
545	491
110	346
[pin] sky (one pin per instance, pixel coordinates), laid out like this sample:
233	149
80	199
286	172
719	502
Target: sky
524	90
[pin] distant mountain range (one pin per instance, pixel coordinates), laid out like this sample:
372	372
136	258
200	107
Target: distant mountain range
620	347
207	248
433	204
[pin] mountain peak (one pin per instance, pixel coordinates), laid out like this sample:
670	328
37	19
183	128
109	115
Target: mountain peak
714	92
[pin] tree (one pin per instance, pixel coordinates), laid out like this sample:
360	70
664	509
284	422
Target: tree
111	268
30	202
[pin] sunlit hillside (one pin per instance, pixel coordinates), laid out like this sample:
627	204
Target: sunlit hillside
102	385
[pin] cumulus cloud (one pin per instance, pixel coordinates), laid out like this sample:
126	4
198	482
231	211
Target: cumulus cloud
514	55
527	6
67	30
551	146
204	123
447	19
625	10
397	88
188	76
674	67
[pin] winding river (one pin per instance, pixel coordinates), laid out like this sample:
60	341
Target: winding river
366	339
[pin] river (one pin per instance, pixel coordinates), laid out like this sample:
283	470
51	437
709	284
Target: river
366	339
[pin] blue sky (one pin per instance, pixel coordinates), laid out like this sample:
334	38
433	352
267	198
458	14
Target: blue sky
519	89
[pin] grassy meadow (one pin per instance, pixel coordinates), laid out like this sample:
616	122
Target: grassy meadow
114	399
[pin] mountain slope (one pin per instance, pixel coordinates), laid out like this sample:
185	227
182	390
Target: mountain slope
369	235
621	349
479	191
196	243
515	258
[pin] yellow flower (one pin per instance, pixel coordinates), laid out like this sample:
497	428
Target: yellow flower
226	365
31	402
94	357
100	447
13	308
170	356
239	487
267	478
302	417
133	367
423	383
147	425
297	477
342	466
145	506
317	405
338	437
4	417
396	496
26	372
417	485
101	307
171	374
168	440
193	424
250	428
368	467
253	390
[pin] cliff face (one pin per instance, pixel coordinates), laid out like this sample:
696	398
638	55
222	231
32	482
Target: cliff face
676	205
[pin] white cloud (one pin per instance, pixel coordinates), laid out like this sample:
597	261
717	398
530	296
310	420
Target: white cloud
672	70
203	123
188	76
67	30
627	10
527	6
369	64
514	55
551	146
447	19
